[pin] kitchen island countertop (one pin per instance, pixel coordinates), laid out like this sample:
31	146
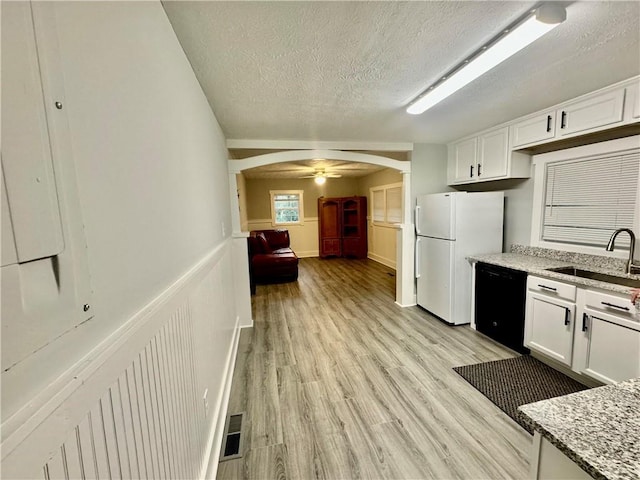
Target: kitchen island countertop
599	429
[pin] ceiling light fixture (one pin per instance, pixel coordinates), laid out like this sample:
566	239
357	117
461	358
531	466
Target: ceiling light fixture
521	33
320	180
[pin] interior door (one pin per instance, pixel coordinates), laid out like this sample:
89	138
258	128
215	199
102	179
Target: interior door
435	277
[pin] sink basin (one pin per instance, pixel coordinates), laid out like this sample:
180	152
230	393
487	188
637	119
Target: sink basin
602	277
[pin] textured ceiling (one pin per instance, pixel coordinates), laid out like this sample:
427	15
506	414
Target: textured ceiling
345	71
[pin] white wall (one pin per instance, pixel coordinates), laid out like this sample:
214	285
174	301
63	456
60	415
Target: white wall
429	175
152	186
428	170
518	208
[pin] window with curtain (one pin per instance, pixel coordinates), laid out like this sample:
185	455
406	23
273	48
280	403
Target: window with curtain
286	207
586	200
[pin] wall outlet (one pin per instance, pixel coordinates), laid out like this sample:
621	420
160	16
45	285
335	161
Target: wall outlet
206	402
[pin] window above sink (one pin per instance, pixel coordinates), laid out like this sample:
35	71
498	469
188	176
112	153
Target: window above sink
583	194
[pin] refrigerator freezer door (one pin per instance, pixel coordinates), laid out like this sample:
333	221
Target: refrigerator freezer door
435	283
435	215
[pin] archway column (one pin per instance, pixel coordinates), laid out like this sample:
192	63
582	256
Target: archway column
405	244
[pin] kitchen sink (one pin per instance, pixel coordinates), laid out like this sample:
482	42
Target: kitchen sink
601	277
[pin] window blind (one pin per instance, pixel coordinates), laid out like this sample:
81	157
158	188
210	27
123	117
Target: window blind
378	205
586	200
394	205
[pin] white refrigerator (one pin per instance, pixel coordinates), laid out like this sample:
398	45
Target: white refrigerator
449	228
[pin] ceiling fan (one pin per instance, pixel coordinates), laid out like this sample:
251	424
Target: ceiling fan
320	176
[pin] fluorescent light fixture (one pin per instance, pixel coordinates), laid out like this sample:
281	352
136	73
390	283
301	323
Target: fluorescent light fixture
320	180
533	27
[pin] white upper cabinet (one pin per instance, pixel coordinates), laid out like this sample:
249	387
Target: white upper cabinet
464	159
533	129
494	154
485	157
632	102
591	113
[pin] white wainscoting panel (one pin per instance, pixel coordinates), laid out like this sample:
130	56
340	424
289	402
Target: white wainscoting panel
149	419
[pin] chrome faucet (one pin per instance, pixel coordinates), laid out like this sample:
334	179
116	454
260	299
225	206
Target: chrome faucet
631	268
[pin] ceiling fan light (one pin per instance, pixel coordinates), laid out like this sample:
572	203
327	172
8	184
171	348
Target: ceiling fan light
320	180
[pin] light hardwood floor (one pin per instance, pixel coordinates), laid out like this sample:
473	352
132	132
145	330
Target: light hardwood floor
339	382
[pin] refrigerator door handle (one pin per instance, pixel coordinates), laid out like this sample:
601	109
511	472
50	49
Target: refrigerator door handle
417	257
417	219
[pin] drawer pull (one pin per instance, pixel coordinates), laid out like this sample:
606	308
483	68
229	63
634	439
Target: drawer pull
548	123
548	288
585	318
567	320
626	309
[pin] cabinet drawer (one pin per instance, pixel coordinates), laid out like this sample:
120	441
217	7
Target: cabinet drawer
552	288
606	302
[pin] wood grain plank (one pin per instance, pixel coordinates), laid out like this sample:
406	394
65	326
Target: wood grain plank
365	389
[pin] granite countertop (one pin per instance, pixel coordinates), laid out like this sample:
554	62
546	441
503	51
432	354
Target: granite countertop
599	429
537	265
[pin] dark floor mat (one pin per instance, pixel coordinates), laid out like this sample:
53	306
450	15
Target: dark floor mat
517	381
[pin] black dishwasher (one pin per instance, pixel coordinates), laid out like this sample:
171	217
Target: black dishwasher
500	303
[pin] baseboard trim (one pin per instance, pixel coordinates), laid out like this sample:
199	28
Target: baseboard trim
387	262
405	306
308	254
209	466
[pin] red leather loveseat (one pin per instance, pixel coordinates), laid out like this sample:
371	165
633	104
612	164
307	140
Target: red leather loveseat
271	259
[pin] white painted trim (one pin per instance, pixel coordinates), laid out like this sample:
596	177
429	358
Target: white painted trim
239	143
237	166
209	466
407	305
387	262
268	220
308	254
26	420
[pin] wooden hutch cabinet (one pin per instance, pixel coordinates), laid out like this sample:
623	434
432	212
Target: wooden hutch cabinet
342	227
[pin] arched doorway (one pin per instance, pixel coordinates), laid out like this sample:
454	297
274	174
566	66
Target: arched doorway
405	287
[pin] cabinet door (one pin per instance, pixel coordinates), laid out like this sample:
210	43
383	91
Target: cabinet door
329	227
549	327
633	95
533	130
598	111
614	348
493	154
464	158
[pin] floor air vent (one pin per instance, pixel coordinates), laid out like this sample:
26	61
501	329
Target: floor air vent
232	440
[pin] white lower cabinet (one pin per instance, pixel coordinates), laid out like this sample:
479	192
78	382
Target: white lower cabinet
550	326
596	333
549	463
